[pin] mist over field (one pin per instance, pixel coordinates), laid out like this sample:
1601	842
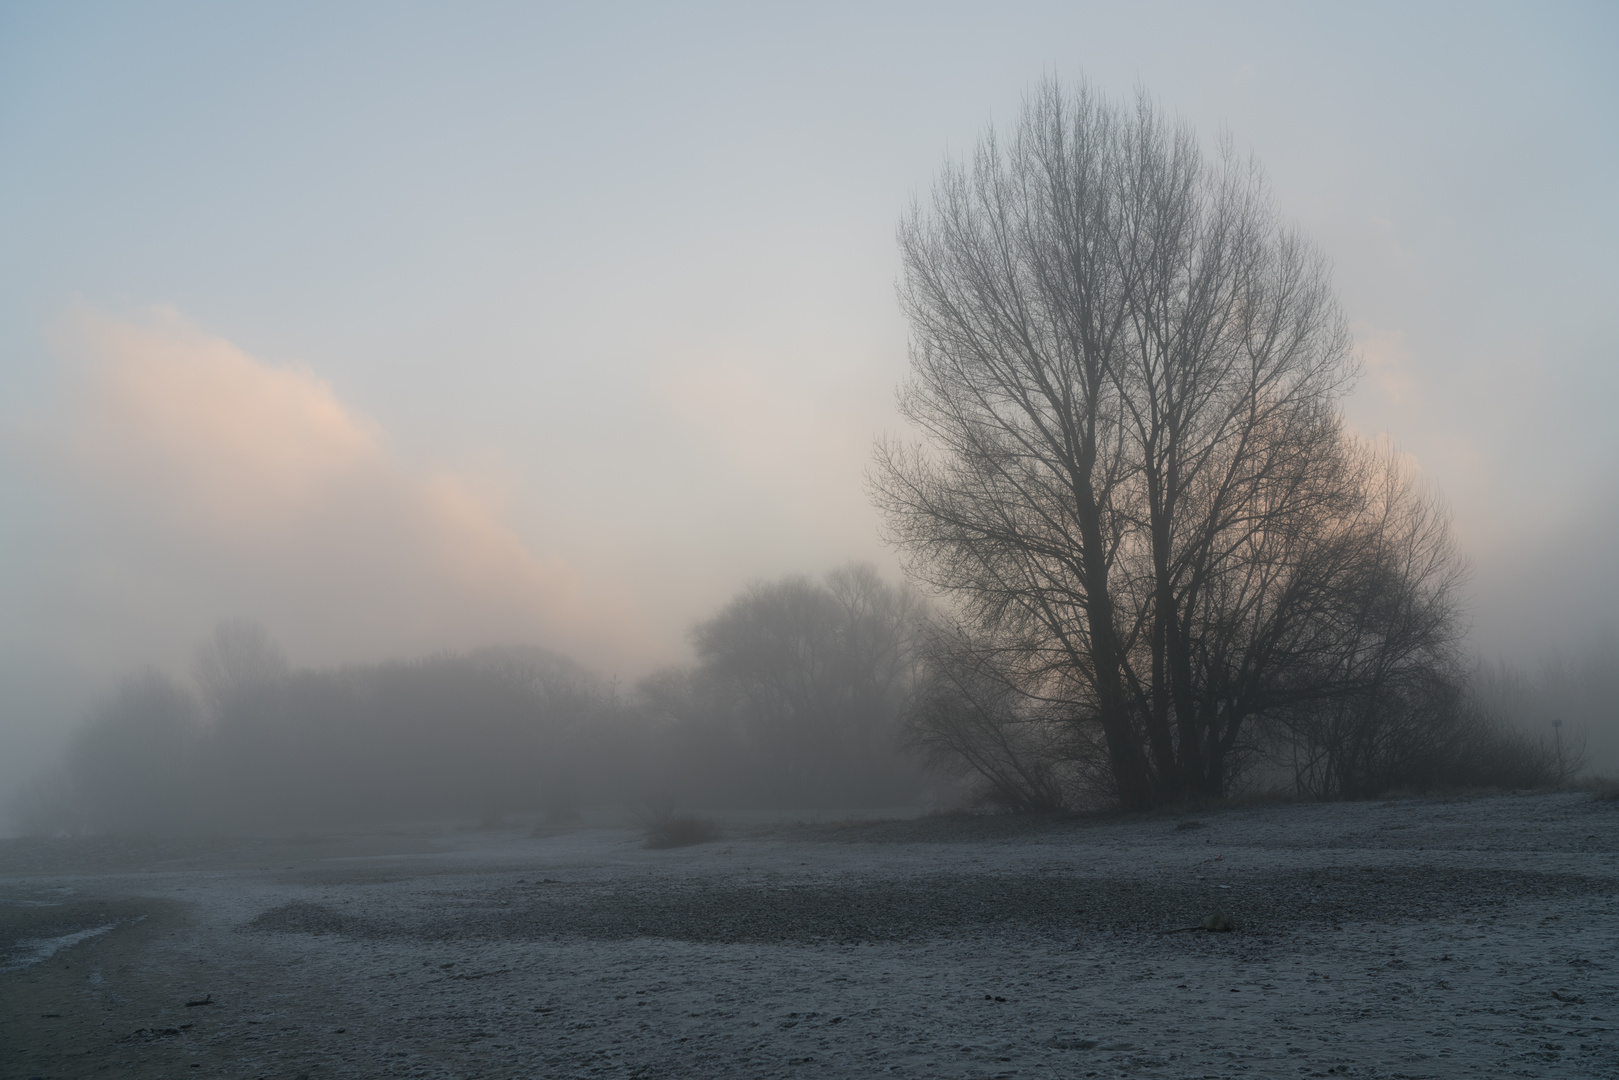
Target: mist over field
462	415
782	542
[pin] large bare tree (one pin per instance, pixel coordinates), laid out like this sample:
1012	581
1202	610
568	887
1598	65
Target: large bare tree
1132	478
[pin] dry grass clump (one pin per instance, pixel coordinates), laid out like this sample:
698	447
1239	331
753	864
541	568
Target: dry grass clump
678	830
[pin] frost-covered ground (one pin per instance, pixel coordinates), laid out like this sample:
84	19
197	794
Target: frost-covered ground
1413	938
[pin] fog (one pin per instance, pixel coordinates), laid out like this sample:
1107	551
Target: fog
480	364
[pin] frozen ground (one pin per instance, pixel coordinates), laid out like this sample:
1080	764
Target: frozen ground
1469	937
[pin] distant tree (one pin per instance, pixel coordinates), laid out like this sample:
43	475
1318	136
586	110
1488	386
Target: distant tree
814	677
1133	484
238	657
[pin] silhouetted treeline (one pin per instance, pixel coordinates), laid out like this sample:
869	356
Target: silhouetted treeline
832	693
482	733
794	702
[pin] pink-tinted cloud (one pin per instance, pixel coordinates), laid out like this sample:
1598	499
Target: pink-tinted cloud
199	482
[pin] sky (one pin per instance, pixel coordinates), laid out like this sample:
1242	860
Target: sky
403	327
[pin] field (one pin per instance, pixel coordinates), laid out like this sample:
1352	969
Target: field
1413	938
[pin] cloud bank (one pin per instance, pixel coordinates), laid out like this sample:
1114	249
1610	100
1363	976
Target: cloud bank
185	481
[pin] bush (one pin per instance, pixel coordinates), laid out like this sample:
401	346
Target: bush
1501	756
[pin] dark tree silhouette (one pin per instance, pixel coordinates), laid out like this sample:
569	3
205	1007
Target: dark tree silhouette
1133	480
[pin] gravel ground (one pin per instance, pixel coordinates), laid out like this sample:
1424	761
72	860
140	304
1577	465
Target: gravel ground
1411	938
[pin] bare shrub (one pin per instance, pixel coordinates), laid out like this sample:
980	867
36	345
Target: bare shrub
1497	754
973	718
1432	735
1571	701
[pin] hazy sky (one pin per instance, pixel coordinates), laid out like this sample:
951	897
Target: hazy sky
399	327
